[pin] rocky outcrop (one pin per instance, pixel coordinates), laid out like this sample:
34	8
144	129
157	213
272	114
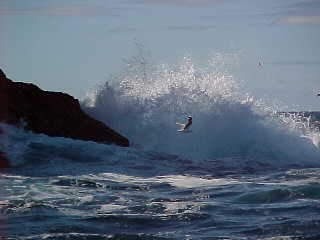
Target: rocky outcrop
51	113
4	163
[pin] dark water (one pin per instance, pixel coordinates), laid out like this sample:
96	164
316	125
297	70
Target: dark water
66	189
116	206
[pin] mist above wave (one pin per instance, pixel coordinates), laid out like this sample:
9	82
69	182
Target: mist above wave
145	101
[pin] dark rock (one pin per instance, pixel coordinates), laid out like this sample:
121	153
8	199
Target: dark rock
51	113
4	163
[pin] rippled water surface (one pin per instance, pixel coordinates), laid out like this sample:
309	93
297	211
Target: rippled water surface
117	206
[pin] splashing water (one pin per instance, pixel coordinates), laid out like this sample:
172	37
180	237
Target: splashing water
302	123
146	101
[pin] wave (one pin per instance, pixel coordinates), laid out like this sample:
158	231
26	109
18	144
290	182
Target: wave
145	101
231	132
40	155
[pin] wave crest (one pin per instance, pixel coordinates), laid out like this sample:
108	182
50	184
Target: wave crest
145	102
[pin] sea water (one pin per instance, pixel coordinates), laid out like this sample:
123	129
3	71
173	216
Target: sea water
244	172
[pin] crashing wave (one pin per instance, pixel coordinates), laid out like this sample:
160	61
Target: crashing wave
145	102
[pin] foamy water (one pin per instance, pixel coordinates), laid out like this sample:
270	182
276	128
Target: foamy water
146	102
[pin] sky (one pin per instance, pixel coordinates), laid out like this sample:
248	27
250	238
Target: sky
72	46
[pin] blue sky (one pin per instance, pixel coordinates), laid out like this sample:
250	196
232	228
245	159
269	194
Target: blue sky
74	45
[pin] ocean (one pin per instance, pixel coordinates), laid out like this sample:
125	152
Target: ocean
245	171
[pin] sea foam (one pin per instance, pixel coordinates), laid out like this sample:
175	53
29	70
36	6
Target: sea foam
145	101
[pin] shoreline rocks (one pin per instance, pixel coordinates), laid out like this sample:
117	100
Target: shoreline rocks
55	114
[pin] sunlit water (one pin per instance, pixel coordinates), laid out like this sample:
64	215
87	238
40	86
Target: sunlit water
244	172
